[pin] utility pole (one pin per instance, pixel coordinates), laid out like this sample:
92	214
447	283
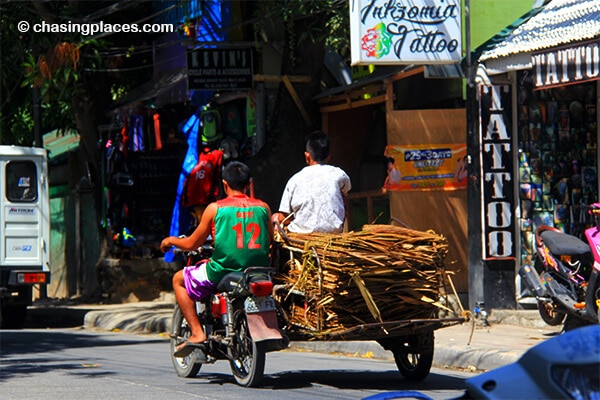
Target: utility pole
37	118
475	254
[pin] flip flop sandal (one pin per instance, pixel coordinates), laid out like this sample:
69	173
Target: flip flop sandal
187	348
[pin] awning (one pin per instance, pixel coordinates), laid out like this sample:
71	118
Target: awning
60	142
169	81
379	74
559	22
366	91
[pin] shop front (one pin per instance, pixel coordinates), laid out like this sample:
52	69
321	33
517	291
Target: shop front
537	95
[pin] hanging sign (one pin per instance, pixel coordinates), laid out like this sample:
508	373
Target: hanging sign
405	31
426	167
497	177
227	68
566	65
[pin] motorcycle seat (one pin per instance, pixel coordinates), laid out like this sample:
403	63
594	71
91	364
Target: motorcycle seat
563	244
230	281
235	280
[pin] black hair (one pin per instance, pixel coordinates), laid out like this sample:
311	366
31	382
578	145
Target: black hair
317	145
237	175
391	159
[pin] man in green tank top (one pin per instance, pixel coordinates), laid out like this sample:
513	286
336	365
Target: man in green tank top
242	233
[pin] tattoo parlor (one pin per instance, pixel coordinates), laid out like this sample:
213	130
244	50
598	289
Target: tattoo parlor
533	141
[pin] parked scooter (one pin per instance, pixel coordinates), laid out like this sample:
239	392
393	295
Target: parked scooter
563	367
565	277
240	322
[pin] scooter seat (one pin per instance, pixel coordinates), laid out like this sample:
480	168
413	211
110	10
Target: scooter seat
563	244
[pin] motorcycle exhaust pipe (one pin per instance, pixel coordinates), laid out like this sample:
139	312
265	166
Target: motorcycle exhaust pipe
533	281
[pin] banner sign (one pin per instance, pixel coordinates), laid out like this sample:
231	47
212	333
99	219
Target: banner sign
405	31
566	65
227	68
497	176
426	167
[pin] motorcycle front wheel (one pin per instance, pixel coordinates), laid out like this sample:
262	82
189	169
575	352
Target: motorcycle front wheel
188	366
247	357
549	313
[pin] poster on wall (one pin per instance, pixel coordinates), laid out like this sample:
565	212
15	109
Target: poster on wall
396	32
426	167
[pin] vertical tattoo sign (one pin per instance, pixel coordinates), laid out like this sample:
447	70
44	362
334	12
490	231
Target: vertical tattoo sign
497	178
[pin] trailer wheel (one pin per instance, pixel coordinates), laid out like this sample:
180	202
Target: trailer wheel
414	356
12	316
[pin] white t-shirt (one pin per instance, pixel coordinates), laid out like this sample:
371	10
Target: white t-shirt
316	195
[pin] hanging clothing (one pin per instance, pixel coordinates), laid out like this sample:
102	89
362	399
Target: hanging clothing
138	133
157	139
202	184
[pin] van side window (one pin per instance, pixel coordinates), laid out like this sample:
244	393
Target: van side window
21	181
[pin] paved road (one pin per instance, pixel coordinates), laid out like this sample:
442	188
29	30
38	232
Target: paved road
73	364
470	345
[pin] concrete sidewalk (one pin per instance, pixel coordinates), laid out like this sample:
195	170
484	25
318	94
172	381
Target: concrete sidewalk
470	345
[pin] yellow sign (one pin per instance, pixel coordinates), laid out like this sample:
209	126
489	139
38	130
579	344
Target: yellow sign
426	167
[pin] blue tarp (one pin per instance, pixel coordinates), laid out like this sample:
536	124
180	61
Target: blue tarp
216	16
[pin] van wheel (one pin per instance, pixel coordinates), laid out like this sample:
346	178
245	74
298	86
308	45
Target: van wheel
12	316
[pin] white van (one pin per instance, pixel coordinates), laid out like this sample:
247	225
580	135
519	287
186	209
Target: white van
25	230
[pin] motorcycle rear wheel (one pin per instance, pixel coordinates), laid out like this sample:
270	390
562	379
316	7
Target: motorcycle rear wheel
188	366
592	297
247	357
550	315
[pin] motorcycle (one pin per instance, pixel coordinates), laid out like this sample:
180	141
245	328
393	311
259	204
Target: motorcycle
241	325
565	277
564	367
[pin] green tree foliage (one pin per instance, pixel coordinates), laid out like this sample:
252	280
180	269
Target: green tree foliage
327	22
69	68
16	121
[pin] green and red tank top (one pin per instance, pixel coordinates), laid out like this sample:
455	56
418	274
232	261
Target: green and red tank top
241	236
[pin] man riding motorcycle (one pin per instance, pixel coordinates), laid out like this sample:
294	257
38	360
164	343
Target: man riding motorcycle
242	232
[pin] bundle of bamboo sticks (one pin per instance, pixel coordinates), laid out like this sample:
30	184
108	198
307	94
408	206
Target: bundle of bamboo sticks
381	273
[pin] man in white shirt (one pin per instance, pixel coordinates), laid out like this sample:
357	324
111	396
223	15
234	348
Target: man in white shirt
313	199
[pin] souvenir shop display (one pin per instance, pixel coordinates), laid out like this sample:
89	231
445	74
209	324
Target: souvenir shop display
557	139
162	167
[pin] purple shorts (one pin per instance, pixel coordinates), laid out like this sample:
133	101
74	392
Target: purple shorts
196	282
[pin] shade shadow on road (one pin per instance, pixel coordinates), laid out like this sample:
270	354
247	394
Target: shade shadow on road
19	347
341	379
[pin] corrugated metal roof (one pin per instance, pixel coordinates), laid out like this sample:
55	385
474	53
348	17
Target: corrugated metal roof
559	22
